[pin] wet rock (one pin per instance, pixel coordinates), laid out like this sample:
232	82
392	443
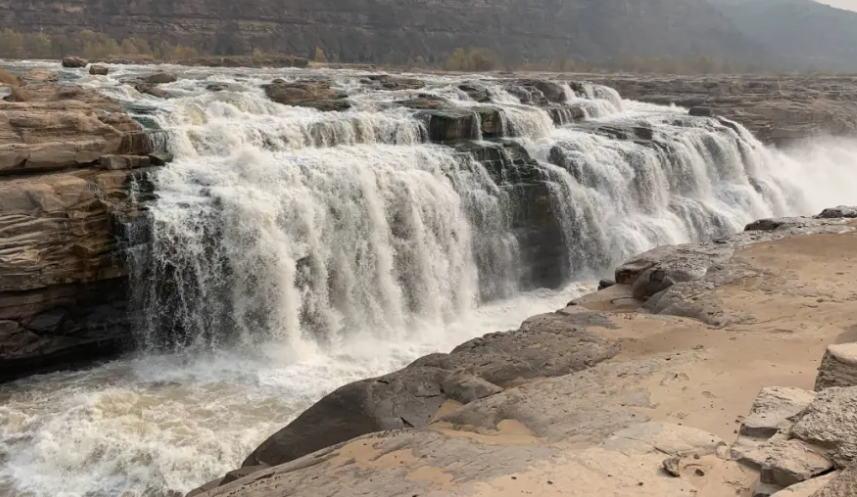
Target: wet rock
160	158
394	83
161	78
476	92
315	94
537	92
564	114
604	284
699	111
217	87
830	422
765	225
842	211
838	367
450	124
545	346
425	102
119	162
772	409
39	75
74	62
98	70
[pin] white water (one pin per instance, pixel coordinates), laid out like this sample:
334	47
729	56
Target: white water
311	249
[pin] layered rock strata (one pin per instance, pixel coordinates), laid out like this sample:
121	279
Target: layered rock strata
73	173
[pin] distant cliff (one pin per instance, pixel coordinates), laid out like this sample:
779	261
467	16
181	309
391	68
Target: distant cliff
393	30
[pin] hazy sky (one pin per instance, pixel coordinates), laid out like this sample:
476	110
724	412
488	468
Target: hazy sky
842	4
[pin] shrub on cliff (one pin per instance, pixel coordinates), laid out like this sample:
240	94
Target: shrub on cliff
476	60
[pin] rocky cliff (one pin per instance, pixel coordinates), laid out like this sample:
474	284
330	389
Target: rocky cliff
393	30
73	171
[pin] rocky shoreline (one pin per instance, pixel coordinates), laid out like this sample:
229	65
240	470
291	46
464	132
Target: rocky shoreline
620	393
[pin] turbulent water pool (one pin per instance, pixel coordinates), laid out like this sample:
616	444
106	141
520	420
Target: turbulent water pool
311	249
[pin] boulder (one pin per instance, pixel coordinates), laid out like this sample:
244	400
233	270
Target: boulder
161	78
217	86
315	94
838	367
40	75
74	62
830	422
842	211
98	70
772	409
605	284
544	346
699	111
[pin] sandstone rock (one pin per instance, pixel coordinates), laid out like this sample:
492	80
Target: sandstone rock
838	212
98	70
765	225
161	78
772	409
604	284
838	367
830	422
566	114
806	488
765	489
780	460
40	75
537	92
62	278
116	162
315	94
74	62
545	346
843	485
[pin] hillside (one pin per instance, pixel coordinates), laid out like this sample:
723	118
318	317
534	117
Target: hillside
393	30
811	34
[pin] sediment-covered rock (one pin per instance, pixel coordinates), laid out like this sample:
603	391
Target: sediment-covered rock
41	75
98	70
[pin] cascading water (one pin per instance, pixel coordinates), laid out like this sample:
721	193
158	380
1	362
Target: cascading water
292	251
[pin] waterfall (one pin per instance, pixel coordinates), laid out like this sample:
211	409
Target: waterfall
286	224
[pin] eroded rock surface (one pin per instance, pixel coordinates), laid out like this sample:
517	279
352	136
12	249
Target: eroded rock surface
838	367
67	160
